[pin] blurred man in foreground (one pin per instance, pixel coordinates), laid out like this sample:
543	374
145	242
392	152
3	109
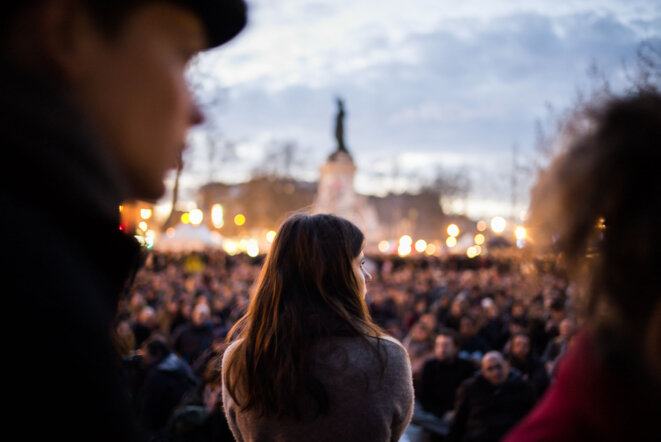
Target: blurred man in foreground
491	402
95	110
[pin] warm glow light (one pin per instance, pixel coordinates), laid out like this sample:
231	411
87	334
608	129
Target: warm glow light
143	226
451	241
240	219
453	230
121	208
420	245
479	239
471	252
405	241
150	234
481	225
195	216
243	245
431	249
498	224
520	232
270	235
478	250
404	249
145	213
217	216
252	248
230	247
185	218
384	246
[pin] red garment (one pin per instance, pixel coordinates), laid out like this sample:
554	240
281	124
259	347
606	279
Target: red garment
588	402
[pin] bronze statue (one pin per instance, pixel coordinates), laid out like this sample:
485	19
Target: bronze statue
339	126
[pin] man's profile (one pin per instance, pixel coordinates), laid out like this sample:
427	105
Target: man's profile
95	110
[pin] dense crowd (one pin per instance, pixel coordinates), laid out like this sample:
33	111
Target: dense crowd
450	314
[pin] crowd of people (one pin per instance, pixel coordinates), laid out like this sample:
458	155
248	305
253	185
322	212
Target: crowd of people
96	110
455	317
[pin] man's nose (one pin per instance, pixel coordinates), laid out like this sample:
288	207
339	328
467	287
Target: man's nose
196	115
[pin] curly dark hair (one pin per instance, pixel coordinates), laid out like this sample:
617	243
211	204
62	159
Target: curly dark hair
599	203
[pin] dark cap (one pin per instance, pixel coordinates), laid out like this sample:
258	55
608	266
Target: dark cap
222	19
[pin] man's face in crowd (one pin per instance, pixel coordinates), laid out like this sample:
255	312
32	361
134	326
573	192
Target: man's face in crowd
494	368
132	87
520	347
445	350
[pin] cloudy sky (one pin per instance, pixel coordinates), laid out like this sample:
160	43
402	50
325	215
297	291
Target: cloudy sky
427	84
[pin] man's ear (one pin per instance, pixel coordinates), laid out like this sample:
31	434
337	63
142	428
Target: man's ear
67	38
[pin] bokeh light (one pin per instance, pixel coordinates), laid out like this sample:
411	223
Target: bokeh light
240	219
479	239
384	246
270	235
453	230
217	216
195	216
498	224
420	245
451	241
145	213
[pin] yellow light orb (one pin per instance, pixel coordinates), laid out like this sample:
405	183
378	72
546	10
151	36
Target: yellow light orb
185	218
481	225
478	250
404	249
240	219
453	230
270	235
471	252
405	240
451	241
479	239
520	232
217	216
121	208
143	226
384	246
431	249
145	213
498	224
195	216
420	245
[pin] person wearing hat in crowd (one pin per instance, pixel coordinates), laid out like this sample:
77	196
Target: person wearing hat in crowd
95	110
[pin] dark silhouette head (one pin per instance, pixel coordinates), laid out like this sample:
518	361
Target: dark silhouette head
600	201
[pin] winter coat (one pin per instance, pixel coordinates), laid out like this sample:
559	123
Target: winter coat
484	412
65	263
365	404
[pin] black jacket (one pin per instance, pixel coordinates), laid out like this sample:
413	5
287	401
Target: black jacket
484	413
65	264
440	381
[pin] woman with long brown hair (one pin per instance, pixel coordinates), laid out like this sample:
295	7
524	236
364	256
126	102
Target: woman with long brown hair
307	362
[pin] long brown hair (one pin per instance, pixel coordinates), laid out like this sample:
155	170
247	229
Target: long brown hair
307	291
